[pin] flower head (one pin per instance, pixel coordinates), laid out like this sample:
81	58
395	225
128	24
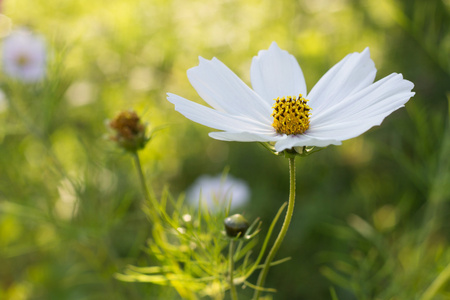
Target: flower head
214	191
343	104
24	56
129	131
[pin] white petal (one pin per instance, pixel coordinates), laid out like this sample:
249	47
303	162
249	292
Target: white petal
303	140
345	130
353	73
224	91
215	119
244	137
366	109
350	129
380	98
276	73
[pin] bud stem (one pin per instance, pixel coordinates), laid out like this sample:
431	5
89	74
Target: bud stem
147	196
284	228
233	292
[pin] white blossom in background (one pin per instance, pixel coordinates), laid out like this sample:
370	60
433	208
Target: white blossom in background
215	192
24	56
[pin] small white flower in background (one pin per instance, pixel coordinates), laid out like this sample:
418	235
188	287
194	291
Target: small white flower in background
215	192
343	104
24	56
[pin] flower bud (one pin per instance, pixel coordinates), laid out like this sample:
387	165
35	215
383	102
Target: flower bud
130	132
236	225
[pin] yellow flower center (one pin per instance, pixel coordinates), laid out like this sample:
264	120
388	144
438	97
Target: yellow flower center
290	115
22	60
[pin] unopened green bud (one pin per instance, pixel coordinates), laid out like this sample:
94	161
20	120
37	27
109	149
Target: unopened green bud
236	225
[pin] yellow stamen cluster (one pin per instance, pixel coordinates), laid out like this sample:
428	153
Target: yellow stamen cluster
22	60
291	115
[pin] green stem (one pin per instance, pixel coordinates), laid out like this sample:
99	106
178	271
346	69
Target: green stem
234	295
284	228
147	196
438	283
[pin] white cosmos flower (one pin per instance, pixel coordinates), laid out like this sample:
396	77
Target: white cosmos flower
24	56
215	192
343	104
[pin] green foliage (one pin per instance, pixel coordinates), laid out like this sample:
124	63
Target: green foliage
190	250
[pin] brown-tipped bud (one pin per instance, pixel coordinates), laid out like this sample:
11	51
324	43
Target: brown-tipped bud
236	225
130	132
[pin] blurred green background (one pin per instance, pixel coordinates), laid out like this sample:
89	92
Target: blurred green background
371	218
